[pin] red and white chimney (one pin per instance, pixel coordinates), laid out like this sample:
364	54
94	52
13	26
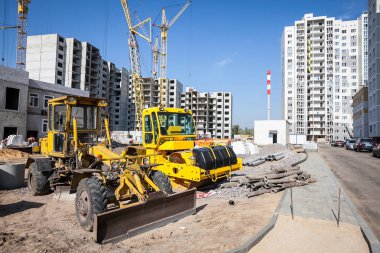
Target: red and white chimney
268	93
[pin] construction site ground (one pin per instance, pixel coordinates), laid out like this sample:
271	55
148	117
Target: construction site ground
44	224
48	223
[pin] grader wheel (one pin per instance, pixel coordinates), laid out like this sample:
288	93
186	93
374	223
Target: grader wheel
90	199
38	183
162	181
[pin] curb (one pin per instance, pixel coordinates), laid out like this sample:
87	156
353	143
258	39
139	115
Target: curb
370	238
260	235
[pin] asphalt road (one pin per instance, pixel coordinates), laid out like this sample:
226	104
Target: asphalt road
359	175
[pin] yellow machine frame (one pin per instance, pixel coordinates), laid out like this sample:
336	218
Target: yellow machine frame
173	152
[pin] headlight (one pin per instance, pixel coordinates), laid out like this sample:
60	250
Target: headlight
145	161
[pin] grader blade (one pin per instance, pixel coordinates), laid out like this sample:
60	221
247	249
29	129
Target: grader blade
157	211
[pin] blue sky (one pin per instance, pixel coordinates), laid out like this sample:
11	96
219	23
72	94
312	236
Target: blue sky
214	46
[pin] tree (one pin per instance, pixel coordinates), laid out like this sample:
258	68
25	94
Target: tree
235	129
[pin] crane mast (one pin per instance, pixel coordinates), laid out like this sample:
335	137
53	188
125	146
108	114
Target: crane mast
22	32
165	26
156	53
134	55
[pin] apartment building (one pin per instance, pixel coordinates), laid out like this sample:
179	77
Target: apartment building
323	64
360	113
212	112
374	68
69	62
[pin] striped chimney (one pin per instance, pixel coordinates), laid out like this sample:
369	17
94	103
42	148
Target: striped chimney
268	93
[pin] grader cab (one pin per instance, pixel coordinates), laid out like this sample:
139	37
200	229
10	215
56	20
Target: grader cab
114	198
169	141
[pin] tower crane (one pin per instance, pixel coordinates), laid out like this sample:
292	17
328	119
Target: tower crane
156	53
22	32
134	55
165	26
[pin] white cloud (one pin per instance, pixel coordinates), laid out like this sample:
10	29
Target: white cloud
223	62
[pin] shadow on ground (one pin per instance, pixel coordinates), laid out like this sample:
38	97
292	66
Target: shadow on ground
18	207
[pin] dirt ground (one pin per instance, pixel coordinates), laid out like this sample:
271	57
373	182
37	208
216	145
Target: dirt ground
44	224
11	155
311	235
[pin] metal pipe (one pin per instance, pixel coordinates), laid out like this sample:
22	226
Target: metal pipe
258	192
281	175
300	161
281	181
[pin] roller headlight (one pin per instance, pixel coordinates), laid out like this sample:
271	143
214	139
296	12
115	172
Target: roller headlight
145	161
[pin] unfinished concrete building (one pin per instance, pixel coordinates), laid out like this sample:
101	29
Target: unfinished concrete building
13	101
152	97
38	96
212	112
24	102
174	94
69	62
323	64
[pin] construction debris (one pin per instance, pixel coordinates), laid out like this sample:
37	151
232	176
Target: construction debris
272	170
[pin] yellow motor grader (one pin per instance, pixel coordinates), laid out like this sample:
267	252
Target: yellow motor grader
114	198
168	139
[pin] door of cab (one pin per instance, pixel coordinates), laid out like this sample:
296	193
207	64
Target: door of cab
150	130
57	128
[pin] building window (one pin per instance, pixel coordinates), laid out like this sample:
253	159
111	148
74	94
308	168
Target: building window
9	131
33	99
44	125
46	100
12	98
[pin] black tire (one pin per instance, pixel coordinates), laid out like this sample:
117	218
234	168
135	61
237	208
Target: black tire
162	181
91	198
38	183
